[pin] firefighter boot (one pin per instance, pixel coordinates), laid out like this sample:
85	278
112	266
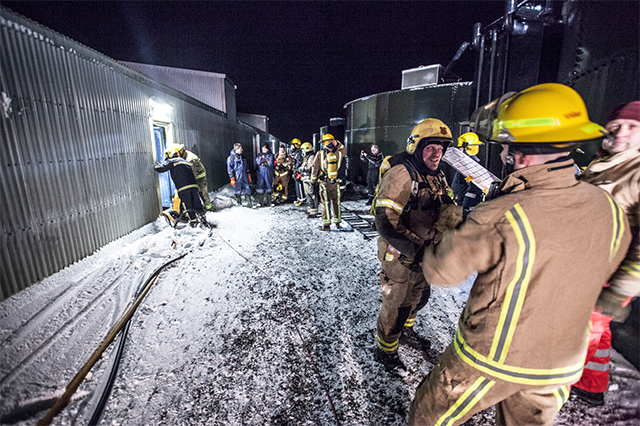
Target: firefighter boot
410	338
238	200
391	361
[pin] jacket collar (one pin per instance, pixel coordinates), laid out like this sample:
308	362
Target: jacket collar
614	160
550	175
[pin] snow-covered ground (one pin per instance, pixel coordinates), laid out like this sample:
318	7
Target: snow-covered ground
265	321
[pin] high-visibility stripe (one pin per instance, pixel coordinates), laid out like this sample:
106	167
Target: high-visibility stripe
388	257
631	268
466	402
338	214
602	353
618	227
517	289
410	322
592	365
187	187
561	394
521	375
388	347
391	204
201	175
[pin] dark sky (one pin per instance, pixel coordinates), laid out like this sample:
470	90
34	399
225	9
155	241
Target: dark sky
298	62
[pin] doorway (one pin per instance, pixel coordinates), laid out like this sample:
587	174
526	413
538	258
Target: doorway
161	136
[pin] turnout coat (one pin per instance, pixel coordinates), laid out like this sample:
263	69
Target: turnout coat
540	267
619	175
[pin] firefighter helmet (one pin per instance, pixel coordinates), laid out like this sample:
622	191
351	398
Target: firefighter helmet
431	129
470	143
296	142
550	114
307	147
172	151
327	139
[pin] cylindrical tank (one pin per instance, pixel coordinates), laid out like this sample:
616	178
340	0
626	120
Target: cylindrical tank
386	119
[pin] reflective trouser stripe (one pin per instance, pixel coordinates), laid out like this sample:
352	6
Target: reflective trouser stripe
561	394
410	322
466	402
388	347
591	365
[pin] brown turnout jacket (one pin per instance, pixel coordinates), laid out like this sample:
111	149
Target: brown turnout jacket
542	252
619	175
405	227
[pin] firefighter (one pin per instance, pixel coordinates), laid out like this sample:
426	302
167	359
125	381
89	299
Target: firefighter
200	173
466	193
310	189
618	173
298	155
265	162
329	170
238	170
184	180
522	336
283	168
411	196
374	161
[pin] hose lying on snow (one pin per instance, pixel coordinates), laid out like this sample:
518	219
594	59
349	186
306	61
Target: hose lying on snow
82	373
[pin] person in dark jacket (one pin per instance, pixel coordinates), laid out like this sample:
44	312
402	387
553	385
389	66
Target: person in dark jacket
184	180
297	155
238	171
466	193
265	163
374	161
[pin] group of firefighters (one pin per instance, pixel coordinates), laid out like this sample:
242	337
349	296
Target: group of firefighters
556	250
319	177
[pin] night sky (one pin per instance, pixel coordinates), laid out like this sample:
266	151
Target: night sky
297	62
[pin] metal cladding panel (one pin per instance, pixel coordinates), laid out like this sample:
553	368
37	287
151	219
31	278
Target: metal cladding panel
386	119
207	87
78	150
260	122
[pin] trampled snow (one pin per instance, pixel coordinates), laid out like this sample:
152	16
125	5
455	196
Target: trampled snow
265	321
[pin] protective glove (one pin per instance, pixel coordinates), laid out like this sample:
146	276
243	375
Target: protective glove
613	304
233	181
249	176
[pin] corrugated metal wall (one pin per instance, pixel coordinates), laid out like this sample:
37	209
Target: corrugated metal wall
77	150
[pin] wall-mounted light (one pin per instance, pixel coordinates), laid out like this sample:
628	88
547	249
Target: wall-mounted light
160	110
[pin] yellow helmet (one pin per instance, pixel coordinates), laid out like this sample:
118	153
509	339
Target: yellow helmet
327	139
307	147
431	128
172	151
296	142
546	114
470	142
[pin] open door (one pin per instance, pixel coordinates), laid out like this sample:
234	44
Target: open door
160	133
